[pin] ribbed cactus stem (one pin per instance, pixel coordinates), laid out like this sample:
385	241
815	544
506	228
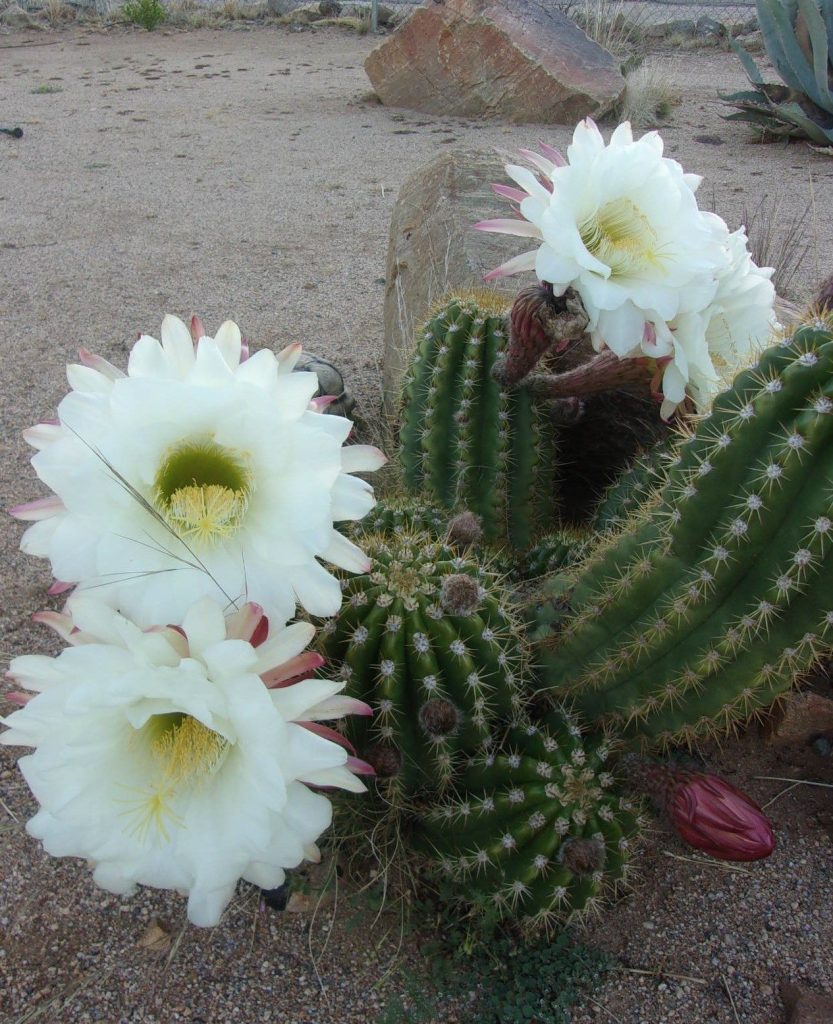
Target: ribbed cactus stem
466	443
709	609
534	830
428	640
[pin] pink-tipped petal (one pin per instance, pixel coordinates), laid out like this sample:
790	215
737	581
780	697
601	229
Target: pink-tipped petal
362	458
18	697
312	853
338	706
506	226
325	732
244	350
320	404
552	154
245	622
359	767
59	587
292	671
100	364
63	625
517	265
197	329
41	508
288	357
515	195
541	162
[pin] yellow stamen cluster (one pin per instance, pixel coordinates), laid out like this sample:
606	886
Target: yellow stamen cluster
186	752
206	513
621	236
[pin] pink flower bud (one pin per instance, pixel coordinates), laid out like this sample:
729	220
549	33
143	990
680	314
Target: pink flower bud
713	816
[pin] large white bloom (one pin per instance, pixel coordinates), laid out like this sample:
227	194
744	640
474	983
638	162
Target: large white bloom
619	223
180	757
198	473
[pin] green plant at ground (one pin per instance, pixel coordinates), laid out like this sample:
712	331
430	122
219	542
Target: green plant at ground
798	37
466	443
513	981
146	13
427	639
534	831
707	610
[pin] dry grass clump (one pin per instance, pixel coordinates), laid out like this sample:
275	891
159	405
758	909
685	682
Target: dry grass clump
649	97
613	24
781	242
59	13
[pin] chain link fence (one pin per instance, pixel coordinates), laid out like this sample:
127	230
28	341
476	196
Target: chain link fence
739	15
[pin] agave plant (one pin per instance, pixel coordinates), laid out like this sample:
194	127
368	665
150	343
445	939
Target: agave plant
798	36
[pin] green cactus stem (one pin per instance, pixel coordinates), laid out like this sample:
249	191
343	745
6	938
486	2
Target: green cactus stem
535	831
555	552
465	442
705	612
428	641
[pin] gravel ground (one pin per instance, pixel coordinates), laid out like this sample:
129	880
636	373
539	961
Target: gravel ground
246	173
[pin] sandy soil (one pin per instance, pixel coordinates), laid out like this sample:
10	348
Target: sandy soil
246	174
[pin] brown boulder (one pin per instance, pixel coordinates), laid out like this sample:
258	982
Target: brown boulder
433	249
515	60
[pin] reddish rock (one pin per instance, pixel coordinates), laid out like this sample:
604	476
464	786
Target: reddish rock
514	60
803	716
804	1006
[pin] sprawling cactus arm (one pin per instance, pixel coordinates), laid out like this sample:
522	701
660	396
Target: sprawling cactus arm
428	642
466	443
709	609
535	830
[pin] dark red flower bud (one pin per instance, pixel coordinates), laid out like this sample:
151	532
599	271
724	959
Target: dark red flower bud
713	816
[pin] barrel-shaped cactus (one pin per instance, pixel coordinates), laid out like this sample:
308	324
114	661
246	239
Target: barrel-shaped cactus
707	609
465	442
536	830
428	641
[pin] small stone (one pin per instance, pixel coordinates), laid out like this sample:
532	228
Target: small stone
804	717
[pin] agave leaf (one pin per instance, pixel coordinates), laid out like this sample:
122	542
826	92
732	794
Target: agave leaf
747	96
749	65
815	132
820	46
778	30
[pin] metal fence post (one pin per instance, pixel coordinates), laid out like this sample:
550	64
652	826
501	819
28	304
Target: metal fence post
374	15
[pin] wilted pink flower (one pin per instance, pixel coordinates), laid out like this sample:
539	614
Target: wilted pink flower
712	815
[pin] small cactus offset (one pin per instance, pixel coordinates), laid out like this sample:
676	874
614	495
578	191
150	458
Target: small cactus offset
634	489
465	442
427	640
709	609
403	517
536	831
555	552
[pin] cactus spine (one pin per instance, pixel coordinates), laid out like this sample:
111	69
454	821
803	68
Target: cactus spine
710	608
465	442
426	639
555	552
535	831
